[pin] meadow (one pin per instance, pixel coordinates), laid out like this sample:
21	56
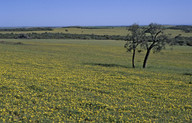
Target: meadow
92	81
122	31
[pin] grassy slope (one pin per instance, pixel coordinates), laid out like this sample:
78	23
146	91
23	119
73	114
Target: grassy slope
76	80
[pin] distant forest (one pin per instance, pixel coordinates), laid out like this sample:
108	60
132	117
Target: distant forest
185	28
48	35
28	29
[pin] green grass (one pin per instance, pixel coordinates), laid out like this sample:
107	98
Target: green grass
102	31
91	80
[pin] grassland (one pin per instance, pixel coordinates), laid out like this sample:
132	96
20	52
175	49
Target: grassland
100	31
78	80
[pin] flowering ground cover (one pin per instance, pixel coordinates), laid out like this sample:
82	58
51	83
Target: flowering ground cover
92	81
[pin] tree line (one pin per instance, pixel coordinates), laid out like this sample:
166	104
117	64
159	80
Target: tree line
185	28
47	35
28	29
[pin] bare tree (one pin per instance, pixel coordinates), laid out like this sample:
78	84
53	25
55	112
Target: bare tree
134	40
154	39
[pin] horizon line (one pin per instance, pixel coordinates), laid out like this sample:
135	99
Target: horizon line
92	25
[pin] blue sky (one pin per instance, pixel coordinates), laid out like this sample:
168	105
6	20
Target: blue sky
94	12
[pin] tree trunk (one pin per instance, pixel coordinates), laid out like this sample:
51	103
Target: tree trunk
133	59
146	57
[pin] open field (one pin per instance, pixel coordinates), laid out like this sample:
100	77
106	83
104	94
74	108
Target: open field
92	80
122	31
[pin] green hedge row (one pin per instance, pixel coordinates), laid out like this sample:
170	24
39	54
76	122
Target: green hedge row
179	41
